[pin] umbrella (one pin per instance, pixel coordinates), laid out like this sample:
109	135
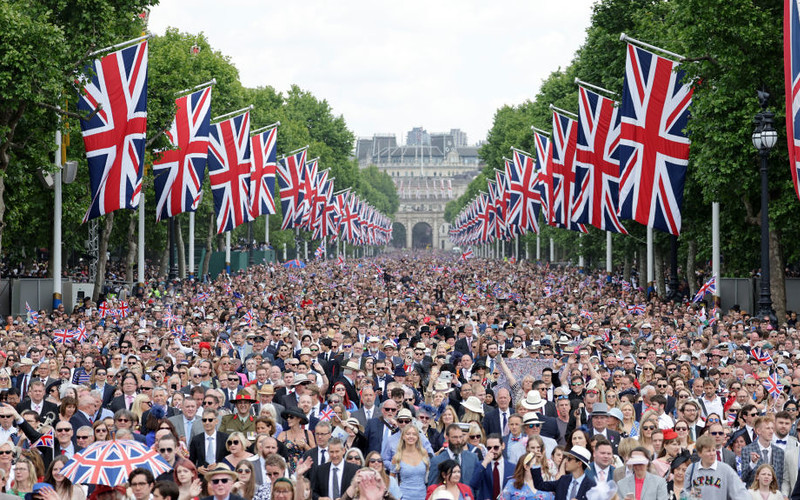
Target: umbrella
110	462
294	263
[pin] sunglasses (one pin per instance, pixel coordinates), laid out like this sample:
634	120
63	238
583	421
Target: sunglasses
403	420
390	409
648	428
6	452
717	433
243	471
534	426
223	480
209	419
371	460
713	421
123	420
208	403
354	458
233	441
64	429
494	448
82	437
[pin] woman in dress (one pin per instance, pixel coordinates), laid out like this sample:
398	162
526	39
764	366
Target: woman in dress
521	485
63	487
237	446
629	424
410	465
669	450
374	462
765	484
449	480
296	439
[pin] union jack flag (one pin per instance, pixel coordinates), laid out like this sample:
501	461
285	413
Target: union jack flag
114	136
326	414
179	172
463	298
636	309
169	318
587	314
62	336
466	255
597	162
308	185
791	61
340	261
319	252
33	316
249	317
763	357
79	335
262	172
562	163
710	286
544	182
180	332
712	317
672	343
524	206
201	297
654	150
349	222
773	385
122	312
289	182
103	309
229	171
46	441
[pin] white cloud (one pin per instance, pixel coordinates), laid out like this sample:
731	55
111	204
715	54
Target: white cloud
390	66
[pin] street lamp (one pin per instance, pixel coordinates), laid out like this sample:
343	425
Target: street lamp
764	138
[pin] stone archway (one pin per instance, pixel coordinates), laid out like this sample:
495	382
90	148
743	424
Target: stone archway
422	236
398	235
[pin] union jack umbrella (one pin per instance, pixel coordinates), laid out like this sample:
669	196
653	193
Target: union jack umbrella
294	263
773	385
179	172
710	286
763	357
116	99
110	462
654	149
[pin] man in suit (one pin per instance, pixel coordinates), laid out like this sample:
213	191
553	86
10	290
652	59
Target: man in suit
382	427
464	342
723	454
575	483
368	409
762	451
549	409
208	447
497	471
471	468
220	483
85	413
496	420
534	402
331	479
23	380
791	450
36	401
62	444
183	422
598	425
107	390
348	378
382	379
124	401
159	398
300	385
653	487
320	454
601	468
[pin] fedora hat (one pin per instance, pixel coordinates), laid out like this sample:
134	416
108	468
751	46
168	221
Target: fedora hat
243	397
220	469
300	379
267	389
533	401
575	327
600	410
531	418
352	365
473	404
442	386
295	412
581	454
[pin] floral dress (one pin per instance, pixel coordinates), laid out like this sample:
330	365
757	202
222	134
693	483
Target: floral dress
524	493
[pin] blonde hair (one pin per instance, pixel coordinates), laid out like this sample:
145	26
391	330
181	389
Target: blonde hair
240	436
403	448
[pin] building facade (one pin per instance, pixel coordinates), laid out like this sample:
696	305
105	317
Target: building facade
428	171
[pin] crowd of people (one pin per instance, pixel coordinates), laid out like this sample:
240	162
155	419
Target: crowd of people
405	376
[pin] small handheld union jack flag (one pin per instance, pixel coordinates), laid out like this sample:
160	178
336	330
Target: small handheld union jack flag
636	309
326	415
467	255
763	357
463	298
201	297
33	316
773	385
672	343
62	336
249	318
169	318
710	286
340	262
123	309
319	252
587	314
80	335
46	441
103	309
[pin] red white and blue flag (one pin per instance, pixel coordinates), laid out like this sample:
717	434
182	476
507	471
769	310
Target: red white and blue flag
290	170
562	162
340	261
326	415
525	205
103	309
179	172
636	309
463	298
62	336
761	356
46	441
544	183
115	98
791	63
79	335
773	385
262	172
319	252
33	316
709	286
467	254
654	148
123	310
308	185
229	171
597	162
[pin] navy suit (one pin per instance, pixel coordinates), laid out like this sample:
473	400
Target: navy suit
374	432
487	491
491	422
108	393
471	468
561	486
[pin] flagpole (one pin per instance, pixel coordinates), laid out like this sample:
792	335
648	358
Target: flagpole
538	248
232	113
121	44
563	112
290	153
608	251
140	256
715	253
580	249
191	245
543	132
57	215
552	250
209	83
228	252
267	127
625	38
650	255
581	83
519	151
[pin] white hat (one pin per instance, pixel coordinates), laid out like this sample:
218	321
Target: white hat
531	418
533	401
404	413
373	339
647	325
442	386
575	327
473	404
352	365
581	454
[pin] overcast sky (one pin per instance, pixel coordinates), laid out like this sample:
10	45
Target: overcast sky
391	66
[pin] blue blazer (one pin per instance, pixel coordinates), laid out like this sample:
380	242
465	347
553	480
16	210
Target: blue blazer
592	472
471	469
374	434
561	486
486	493
491	422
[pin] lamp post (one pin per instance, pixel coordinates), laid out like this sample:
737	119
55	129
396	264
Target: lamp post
764	139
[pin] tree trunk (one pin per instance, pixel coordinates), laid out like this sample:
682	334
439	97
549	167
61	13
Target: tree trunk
777	275
691	255
102	258
658	264
9	125
626	267
164	267
181	250
130	259
209	243
641	261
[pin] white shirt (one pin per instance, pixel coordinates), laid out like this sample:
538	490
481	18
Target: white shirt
340	470
320	460
5	435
